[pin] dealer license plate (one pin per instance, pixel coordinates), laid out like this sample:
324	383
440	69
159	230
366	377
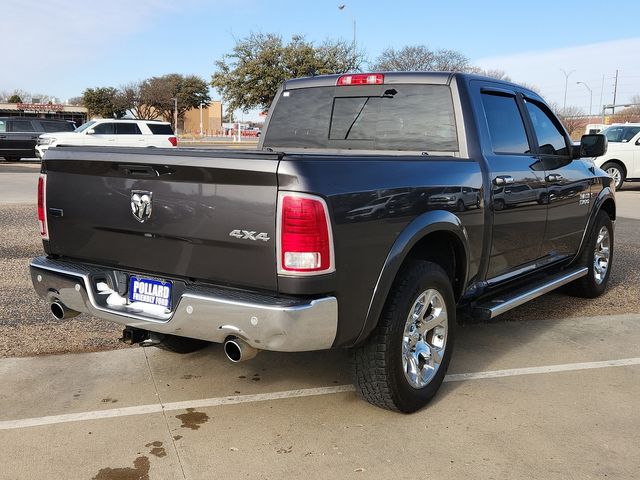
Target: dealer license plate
147	290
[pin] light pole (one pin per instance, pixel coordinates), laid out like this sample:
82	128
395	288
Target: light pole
566	84
175	115
201	132
590	95
353	42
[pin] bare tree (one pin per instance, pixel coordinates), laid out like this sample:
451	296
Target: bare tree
573	118
491	72
17	96
145	93
530	86
420	58
629	114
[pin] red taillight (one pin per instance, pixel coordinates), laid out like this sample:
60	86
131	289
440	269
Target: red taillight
305	235
42	206
173	141
360	79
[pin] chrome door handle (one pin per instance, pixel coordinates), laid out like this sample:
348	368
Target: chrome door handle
503	180
554	177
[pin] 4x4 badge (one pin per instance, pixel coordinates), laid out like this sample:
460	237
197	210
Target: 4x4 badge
141	205
249	235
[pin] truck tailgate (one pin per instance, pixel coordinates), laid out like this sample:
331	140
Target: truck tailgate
198	198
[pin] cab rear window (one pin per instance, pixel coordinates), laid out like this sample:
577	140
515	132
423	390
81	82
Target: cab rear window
373	117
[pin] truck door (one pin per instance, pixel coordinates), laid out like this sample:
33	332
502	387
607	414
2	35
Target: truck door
568	183
518	196
22	137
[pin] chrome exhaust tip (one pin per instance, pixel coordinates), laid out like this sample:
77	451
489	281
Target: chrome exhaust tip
238	350
60	312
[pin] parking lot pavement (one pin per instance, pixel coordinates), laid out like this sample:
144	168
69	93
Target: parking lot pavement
562	403
124	414
628	200
19	182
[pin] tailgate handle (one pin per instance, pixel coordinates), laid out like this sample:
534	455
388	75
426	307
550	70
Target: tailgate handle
141	170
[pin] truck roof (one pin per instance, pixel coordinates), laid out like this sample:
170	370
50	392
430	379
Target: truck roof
390	78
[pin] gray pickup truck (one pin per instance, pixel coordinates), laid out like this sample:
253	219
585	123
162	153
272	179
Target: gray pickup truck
377	209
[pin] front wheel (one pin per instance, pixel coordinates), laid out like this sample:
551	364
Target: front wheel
597	256
403	363
616	172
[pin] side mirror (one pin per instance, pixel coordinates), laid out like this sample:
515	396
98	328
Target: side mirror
91	131
593	145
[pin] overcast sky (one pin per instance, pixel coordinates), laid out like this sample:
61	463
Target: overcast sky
61	47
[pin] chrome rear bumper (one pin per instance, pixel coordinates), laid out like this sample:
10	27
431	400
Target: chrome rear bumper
208	313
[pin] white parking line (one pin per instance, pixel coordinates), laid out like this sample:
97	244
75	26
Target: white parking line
567	367
306	392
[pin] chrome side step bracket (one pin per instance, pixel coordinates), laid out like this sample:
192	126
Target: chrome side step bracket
509	300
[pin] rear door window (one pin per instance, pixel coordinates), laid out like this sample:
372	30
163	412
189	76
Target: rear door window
506	127
127	128
21	126
160	128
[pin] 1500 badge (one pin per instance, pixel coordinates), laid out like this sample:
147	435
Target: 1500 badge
585	199
247	235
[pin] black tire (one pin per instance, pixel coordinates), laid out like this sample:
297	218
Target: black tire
175	344
377	365
610	168
12	159
499	204
594	283
460	206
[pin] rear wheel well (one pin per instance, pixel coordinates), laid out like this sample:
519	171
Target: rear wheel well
445	249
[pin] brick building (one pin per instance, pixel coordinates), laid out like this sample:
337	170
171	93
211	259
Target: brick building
211	120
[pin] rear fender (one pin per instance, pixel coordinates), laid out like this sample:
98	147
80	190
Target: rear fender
430	222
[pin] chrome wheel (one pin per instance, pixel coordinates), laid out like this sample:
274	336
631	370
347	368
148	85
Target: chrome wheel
616	174
425	338
602	255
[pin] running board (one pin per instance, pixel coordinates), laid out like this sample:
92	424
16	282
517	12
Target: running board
509	300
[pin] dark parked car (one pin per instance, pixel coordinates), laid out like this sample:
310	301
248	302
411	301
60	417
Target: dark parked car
18	135
343	230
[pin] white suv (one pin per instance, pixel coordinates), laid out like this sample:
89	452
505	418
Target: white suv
622	160
112	132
